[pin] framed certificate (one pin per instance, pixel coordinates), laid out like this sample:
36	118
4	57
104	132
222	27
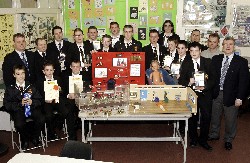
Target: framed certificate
51	90
199	78
76	80
175	68
167	61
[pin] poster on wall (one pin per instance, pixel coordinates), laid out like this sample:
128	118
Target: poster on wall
241	28
34	26
6	35
207	14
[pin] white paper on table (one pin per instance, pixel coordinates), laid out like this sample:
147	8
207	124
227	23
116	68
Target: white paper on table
96	45
51	90
199	78
175	68
167	61
76	80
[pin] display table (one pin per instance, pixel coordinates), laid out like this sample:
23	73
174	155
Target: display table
37	158
179	105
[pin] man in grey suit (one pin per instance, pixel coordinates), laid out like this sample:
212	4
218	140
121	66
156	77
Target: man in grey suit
230	87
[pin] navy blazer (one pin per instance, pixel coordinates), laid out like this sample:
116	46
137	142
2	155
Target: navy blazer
12	59
236	80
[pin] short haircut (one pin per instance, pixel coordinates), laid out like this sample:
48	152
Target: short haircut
78	30
76	61
18	35
128	26
228	38
39	39
174	38
183	42
154	61
18	67
56	27
195	30
48	63
92	27
106	36
214	35
195	44
153	31
113	23
170	22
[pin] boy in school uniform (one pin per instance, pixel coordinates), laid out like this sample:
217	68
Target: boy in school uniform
22	101
50	105
203	91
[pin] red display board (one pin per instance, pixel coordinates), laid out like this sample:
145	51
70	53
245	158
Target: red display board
120	67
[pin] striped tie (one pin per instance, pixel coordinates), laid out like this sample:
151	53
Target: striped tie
26	64
223	73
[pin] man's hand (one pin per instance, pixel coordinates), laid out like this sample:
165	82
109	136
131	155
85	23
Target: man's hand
200	88
26	101
71	96
238	102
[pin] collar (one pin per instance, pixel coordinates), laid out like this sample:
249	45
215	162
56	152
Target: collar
157	45
75	74
105	49
19	52
115	37
128	42
41	53
57	42
49	79
230	57
80	44
198	60
20	85
167	35
183	57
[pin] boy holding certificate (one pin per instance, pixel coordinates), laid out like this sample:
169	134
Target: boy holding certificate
54	101
188	77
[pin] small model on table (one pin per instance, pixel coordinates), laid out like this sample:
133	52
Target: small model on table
156	76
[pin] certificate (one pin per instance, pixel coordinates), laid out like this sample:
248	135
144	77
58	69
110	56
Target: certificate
199	79
51	90
75	82
167	61
135	70
175	68
96	45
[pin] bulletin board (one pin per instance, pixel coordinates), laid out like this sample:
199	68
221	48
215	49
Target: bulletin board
123	67
143	15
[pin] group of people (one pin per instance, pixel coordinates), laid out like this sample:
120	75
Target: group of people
226	77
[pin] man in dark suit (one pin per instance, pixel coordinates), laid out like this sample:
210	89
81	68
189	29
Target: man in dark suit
231	86
59	48
41	57
18	56
203	91
22	100
115	33
81	51
128	44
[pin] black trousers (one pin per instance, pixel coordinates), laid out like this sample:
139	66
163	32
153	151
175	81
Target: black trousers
204	106
21	124
64	112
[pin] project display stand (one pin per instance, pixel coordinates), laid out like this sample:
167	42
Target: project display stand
117	68
144	103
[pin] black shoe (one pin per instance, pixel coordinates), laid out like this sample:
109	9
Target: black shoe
193	144
210	139
206	146
228	146
53	137
25	145
36	142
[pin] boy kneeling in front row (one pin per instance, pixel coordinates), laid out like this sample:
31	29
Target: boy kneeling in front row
22	101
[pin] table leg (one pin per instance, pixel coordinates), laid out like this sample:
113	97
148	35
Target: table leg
185	140
83	131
